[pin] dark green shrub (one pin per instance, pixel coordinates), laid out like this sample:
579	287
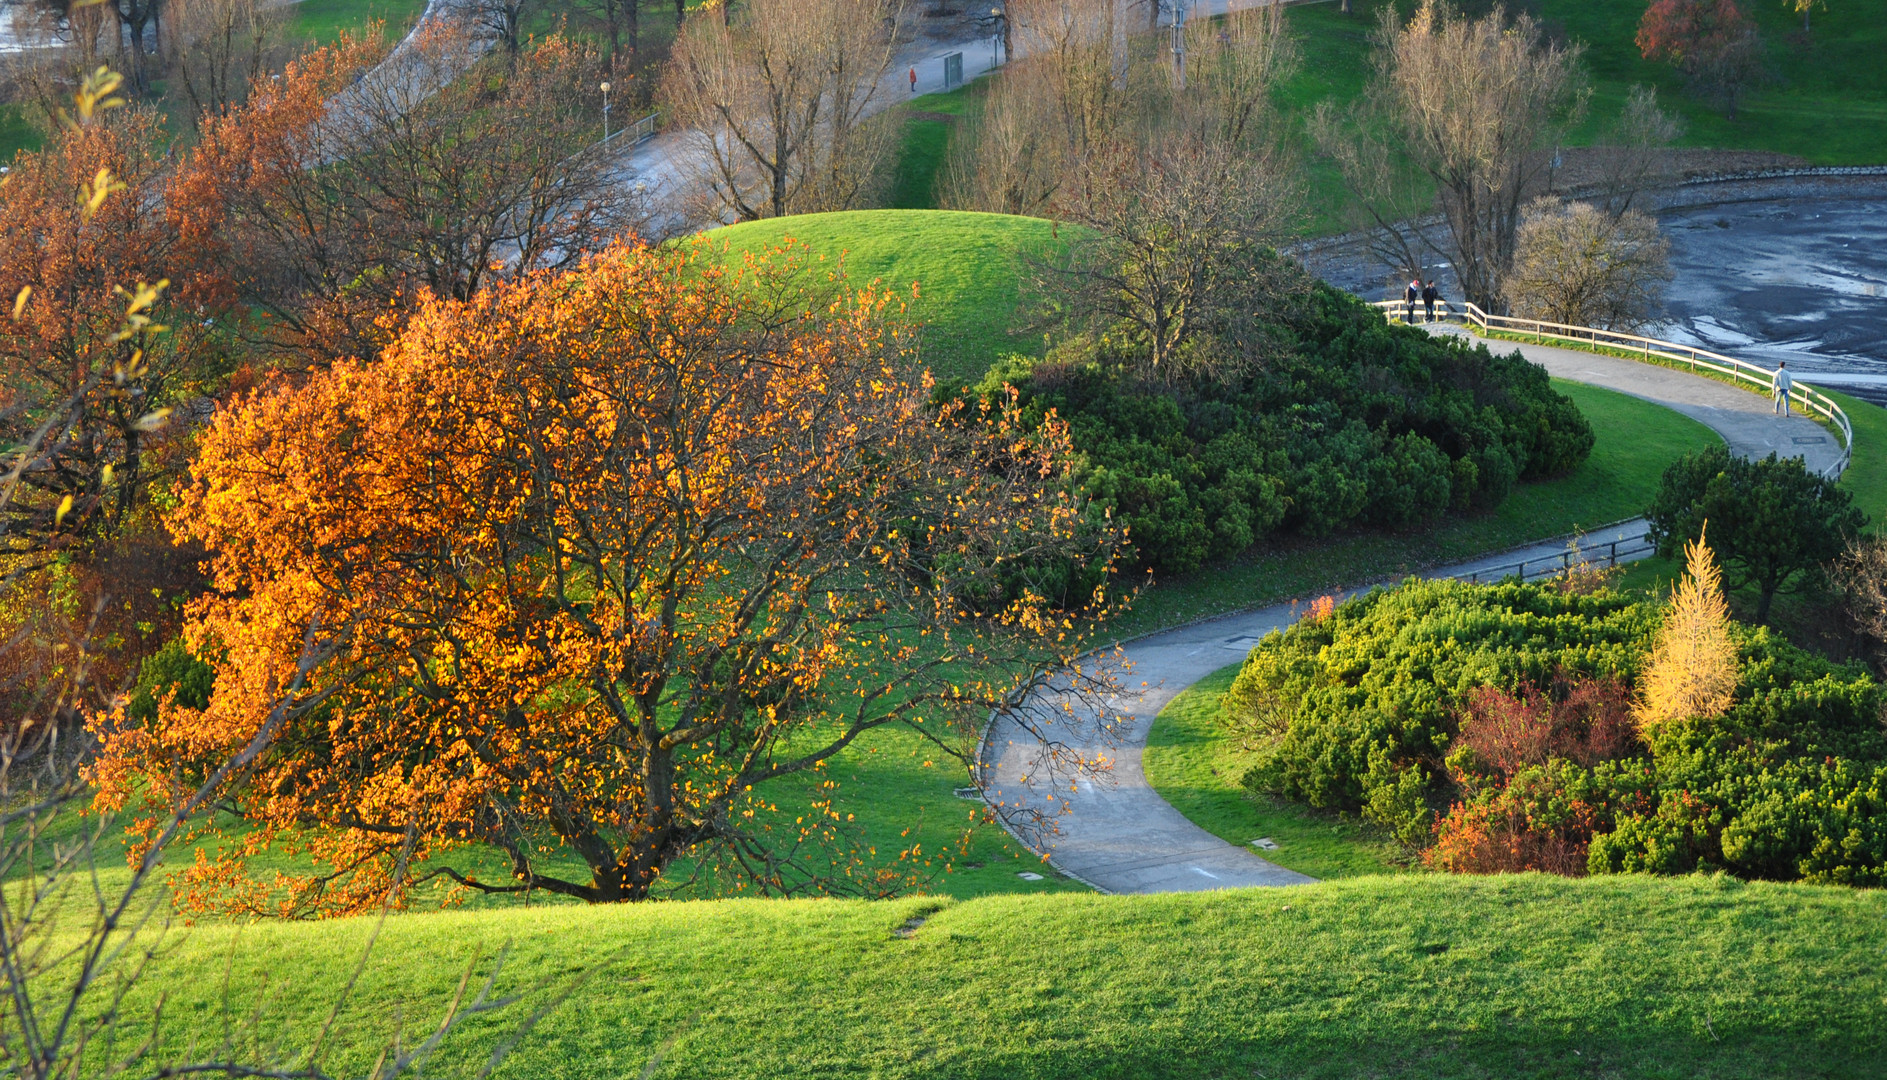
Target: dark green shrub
1361	710
1353	422
174	675
1771	521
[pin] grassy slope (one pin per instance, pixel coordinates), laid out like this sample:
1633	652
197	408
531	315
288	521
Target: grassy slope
1191	763
323	20
1413	977
926	142
966	269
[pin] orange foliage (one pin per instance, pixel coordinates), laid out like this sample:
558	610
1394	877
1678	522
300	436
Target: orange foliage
596	555
89	401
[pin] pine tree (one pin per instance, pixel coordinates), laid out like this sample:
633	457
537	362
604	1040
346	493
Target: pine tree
1692	670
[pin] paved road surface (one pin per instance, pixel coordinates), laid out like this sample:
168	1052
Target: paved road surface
1118	835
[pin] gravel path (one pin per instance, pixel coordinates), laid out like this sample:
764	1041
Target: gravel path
1119	836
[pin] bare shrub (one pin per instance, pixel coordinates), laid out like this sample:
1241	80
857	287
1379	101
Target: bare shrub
1576	264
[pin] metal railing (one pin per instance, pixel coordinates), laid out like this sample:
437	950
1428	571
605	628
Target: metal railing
1625	547
639	132
1758	379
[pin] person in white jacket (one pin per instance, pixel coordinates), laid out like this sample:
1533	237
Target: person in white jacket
1783	384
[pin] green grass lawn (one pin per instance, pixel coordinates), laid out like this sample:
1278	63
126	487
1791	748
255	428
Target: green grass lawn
1193	766
16	134
930	122
1497	977
322	21
964	269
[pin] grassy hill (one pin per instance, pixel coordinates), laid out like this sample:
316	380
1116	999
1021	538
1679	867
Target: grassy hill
1523	976
965	272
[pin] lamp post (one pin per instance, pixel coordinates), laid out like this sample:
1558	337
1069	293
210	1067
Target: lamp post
1179	43
605	89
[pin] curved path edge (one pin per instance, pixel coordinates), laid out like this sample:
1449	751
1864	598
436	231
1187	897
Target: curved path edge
1117	835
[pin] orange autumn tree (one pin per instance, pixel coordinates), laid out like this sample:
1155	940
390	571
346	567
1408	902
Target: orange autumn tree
599	554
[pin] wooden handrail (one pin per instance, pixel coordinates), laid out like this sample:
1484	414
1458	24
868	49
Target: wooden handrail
1760	378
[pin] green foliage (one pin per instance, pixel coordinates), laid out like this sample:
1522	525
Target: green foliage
1355	422
1787	784
1374	688
1771	521
171	675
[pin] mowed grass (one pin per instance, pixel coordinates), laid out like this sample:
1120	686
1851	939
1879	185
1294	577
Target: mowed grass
963	272
1196	766
1635	441
1512	976
322	21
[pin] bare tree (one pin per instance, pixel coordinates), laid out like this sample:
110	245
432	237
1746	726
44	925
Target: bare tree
218	49
1860	575
500	19
1477	107
1178	255
1578	264
775	99
1049	111
1633	156
136	19
338	207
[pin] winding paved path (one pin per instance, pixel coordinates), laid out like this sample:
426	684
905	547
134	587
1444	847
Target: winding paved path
1119	836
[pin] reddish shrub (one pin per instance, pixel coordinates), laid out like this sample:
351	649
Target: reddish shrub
1584	721
1525	763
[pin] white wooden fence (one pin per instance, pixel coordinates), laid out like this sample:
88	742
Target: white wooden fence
1750	376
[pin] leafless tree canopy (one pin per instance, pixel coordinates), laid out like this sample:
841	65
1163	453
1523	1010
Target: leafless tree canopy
1179	188
777	99
1176	254
1578	264
415	179
1474	106
219	48
1067	97
1633	153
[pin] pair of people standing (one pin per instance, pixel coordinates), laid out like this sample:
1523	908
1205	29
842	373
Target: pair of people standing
1428	294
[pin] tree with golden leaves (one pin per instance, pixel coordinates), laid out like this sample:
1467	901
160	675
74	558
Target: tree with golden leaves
1692	669
602	553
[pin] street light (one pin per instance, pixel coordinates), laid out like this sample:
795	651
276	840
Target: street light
605	89
1179	43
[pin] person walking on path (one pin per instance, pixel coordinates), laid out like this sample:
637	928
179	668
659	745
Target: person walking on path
1784	383
1411	295
913	80
1430	294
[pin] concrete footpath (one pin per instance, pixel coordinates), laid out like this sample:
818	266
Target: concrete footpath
1119	836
